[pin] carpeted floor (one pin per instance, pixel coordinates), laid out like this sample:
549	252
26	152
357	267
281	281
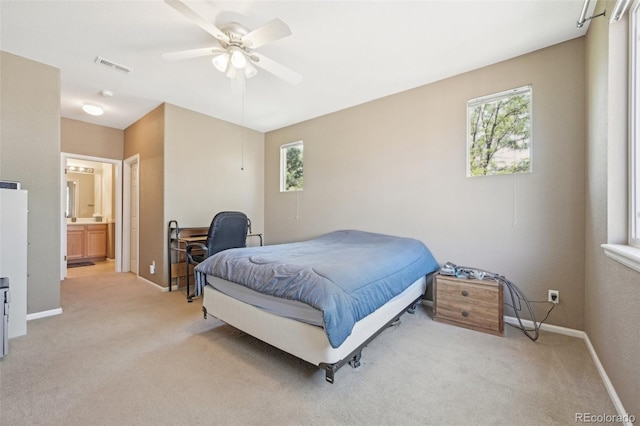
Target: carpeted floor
124	353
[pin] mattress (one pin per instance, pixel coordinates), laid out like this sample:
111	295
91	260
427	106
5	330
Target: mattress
275	305
346	274
305	341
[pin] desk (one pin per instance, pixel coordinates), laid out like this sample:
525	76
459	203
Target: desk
178	239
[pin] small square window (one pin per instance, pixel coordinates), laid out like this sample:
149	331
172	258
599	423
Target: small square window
291	166
499	133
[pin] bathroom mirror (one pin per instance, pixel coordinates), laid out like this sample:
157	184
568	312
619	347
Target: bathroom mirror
71	210
81	195
89	193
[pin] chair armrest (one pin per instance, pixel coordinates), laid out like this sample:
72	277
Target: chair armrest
192	246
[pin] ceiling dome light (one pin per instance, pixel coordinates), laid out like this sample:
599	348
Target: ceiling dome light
92	109
238	59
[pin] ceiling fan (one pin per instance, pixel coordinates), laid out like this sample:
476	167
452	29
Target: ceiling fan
235	55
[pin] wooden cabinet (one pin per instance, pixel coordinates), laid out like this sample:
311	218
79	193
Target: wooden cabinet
97	241
75	242
86	242
474	304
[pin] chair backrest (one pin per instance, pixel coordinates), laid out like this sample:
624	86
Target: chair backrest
228	230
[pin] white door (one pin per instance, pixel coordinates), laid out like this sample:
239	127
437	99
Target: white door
134	218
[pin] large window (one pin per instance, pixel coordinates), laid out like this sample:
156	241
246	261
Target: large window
499	133
629	254
291	166
634	131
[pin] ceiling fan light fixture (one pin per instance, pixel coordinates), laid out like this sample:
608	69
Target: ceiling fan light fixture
238	59
221	62
231	73
250	70
92	109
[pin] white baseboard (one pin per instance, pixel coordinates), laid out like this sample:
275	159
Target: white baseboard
548	327
607	384
159	287
44	314
174	287
626	417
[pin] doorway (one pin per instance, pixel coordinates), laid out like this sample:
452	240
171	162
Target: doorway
91	198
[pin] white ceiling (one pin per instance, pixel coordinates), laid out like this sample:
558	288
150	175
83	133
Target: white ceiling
348	52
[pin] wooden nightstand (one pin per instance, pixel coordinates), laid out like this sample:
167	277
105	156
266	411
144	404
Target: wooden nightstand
474	304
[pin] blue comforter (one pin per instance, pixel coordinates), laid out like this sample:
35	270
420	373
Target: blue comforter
345	274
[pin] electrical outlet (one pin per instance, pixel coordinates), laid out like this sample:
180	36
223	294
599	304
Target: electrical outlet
152	268
554	296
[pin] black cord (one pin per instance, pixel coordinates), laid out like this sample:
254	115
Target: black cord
553	305
517	297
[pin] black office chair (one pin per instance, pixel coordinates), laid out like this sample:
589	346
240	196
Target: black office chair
227	230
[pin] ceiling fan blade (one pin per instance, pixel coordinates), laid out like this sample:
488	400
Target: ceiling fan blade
193	16
271	31
192	53
279	70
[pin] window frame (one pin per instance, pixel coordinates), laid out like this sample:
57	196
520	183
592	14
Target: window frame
473	103
634	125
629	254
283	165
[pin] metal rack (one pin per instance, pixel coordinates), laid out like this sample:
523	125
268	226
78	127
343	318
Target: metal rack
177	240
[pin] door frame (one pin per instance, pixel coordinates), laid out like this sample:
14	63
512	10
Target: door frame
64	156
126	213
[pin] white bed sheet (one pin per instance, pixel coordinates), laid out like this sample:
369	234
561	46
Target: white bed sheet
305	341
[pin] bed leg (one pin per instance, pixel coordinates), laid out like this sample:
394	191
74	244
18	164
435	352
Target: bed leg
204	312
412	308
329	371
355	361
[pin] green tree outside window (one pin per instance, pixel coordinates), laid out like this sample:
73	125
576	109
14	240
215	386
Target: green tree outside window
292	167
499	139
295	170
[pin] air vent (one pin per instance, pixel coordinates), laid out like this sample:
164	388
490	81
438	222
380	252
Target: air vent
112	65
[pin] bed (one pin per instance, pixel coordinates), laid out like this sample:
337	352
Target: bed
321	300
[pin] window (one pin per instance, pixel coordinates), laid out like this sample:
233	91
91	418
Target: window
634	131
291	167
629	254
499	133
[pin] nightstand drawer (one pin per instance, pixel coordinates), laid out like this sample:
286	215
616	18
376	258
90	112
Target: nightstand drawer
464	292
468	313
475	304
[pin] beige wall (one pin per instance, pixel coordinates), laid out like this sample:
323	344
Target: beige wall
91	140
191	167
30	153
146	138
397	165
612	291
211	166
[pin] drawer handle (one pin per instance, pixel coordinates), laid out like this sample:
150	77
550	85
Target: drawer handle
465	293
465	314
